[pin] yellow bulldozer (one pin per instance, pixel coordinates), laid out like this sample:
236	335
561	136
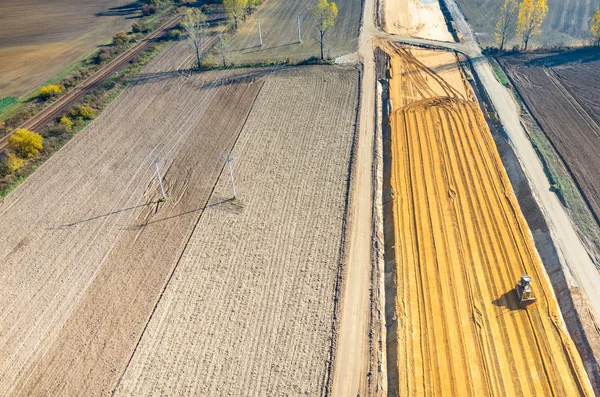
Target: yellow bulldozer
524	292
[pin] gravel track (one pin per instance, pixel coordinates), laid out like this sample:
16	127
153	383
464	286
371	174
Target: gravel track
250	307
89	247
461	245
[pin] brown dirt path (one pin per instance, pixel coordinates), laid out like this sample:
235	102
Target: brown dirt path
249	310
461	244
81	274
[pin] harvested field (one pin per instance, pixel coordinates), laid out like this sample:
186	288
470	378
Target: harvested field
39	38
280	33
460	244
561	91
416	18
250	307
568	22
90	248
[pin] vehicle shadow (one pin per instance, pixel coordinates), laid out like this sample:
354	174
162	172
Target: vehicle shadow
508	300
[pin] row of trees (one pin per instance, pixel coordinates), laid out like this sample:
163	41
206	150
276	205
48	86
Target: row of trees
526	19
528	15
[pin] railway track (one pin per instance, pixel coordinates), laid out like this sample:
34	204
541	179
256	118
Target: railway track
67	100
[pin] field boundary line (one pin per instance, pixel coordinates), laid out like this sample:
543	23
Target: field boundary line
183	251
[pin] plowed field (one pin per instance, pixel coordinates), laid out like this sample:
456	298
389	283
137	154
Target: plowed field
250	307
85	247
461	243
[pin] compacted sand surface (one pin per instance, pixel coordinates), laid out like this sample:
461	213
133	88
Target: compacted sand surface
461	243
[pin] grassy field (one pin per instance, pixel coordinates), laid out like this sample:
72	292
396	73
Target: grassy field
38	38
567	22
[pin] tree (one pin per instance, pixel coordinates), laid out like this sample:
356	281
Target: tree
532	14
325	13
67	122
235	9
222	46
25	143
197	30
251	5
506	19
595	25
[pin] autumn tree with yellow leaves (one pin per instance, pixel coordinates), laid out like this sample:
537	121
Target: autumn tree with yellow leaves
324	12
506	21
532	14
595	25
25	143
235	10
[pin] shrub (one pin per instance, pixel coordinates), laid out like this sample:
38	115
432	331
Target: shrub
137	27
9	163
82	112
25	143
64	120
49	91
102	55
148	9
120	39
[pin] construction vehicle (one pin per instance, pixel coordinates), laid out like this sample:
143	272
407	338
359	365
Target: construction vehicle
524	291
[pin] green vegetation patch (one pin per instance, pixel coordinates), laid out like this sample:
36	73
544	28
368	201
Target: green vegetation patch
500	75
7	102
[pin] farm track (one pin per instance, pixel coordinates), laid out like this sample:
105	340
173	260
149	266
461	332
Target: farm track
66	101
82	273
249	310
463	245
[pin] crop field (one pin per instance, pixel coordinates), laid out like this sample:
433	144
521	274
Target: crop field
250	307
90	246
460	244
568	22
40	38
279	28
561	90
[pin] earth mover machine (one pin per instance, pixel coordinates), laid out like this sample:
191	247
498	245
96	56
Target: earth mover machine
524	291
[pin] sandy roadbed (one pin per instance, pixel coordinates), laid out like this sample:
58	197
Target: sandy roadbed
250	307
461	243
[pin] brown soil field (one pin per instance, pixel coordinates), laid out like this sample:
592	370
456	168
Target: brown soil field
39	38
568	22
561	91
250	308
90	248
280	33
460	244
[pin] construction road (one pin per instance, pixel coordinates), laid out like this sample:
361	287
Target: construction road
461	245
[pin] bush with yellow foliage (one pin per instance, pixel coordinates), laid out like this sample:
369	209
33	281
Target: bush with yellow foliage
50	90
25	143
67	122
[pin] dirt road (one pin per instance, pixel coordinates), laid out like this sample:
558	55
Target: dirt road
352	353
461	244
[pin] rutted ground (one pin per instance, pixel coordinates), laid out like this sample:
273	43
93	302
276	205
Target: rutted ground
250	307
89	247
415	18
39	38
459	328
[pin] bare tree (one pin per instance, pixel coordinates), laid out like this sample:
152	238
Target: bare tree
222	47
196	27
